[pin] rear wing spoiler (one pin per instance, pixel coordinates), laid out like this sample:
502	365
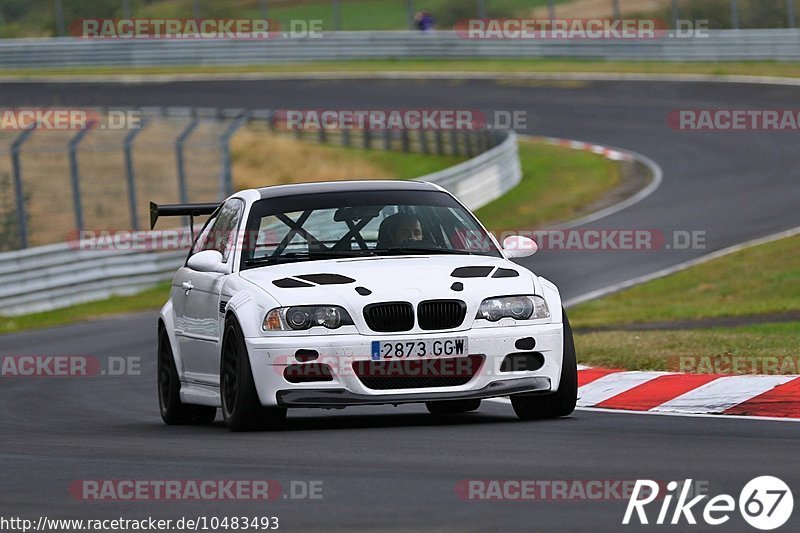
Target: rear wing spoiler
180	210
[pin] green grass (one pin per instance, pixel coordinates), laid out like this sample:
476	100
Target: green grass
36	17
556	186
146	300
662	350
757	281
499	66
406	166
391	14
548	172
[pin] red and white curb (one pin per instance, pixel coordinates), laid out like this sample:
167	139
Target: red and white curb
609	153
690	394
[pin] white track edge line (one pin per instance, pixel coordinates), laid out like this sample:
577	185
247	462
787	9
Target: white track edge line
656	413
399	74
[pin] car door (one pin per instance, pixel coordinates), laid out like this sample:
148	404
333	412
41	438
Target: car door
180	290
202	320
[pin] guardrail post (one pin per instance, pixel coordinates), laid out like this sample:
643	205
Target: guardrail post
129	174
367	139
19	193
468	143
481	9
387	139
337	15
264	9
75	176
790	13
126	9
345	137
454	149
439	142
423	142
183	192
617	14
410	13
225	142
675	13
59	9
734	14
551	9
406	142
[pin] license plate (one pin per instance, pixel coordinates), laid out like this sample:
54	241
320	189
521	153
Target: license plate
419	349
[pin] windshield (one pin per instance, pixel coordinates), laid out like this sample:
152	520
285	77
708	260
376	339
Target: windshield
354	224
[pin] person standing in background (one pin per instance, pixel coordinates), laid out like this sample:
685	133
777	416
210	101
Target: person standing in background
424	21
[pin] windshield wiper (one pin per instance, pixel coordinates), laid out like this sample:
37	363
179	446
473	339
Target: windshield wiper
308	256
421	251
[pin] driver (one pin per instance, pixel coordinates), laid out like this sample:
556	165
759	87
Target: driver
399	228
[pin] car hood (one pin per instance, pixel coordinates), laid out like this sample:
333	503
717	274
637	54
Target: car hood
404	278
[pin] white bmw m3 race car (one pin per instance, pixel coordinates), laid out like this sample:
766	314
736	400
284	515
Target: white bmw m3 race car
327	295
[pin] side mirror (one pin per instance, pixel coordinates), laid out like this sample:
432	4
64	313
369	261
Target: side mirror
519	246
207	261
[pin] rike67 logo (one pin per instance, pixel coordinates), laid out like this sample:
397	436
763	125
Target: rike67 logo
765	503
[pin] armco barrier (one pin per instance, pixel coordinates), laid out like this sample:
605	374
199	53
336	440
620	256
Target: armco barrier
715	45
56	276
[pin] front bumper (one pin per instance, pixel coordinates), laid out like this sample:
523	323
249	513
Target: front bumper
270	355
342	397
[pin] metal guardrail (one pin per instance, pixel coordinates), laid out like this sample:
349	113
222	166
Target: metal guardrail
718	45
59	275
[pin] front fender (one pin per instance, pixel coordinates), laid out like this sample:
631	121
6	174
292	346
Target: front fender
250	308
166	317
553	298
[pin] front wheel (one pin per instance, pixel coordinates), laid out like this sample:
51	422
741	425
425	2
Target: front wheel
173	411
559	403
241	407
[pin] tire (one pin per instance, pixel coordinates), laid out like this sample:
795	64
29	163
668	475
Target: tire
241	407
452	407
559	403
173	411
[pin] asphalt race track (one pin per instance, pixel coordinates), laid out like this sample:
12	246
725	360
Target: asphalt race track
397	468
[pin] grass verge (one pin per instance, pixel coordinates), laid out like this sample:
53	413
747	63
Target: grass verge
559	179
557	184
308	161
499	66
755	282
150	299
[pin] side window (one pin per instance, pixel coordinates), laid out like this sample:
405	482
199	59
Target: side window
200	240
222	235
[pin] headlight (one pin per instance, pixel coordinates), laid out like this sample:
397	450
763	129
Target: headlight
303	317
518	307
